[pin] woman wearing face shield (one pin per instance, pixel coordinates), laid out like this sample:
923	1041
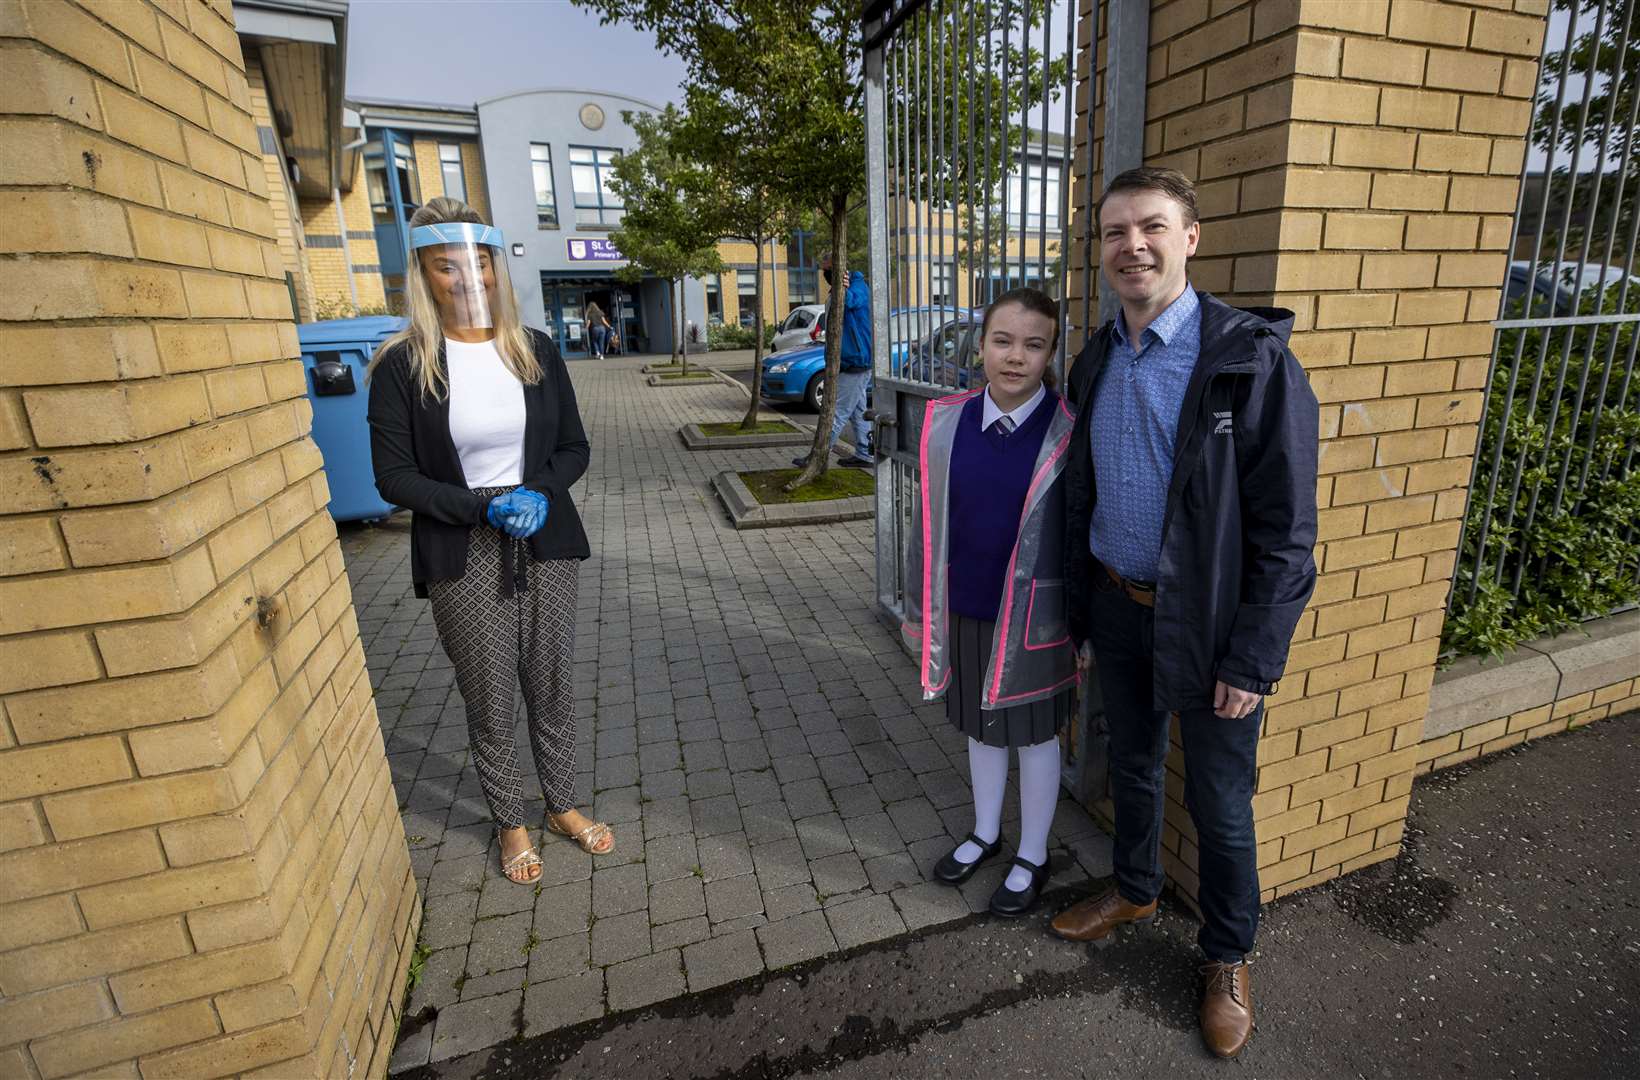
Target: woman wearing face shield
474	428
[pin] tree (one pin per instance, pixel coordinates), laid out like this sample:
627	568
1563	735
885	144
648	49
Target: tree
730	148
668	230
796	65
1582	138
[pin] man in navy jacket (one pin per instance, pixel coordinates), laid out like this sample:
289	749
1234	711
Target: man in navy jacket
1191	517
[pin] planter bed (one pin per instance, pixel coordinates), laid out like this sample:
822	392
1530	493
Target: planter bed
746	512
775	432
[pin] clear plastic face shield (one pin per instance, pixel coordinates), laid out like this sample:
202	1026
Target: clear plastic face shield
465	269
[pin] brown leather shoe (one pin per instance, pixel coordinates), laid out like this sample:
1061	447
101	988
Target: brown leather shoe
1094	918
1227	1008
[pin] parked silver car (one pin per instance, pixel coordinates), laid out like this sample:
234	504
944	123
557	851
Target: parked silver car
806	325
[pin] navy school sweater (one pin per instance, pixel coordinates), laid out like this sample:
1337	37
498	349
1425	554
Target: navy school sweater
990	477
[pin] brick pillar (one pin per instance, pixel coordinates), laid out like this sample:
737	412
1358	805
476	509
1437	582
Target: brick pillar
1357	163
202	870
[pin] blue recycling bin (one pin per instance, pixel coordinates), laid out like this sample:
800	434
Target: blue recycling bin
335	354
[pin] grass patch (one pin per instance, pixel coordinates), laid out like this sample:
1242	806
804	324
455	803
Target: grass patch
695	374
762	427
769	486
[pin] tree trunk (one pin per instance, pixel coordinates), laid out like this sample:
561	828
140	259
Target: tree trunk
677	339
749	422
683	342
820	453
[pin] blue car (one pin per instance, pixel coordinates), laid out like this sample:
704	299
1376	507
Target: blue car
800	374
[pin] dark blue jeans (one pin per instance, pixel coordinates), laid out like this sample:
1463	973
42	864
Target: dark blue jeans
1219	765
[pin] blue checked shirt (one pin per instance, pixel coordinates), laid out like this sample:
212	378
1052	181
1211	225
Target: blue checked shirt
1135	426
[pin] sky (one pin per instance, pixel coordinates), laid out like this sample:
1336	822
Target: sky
458	52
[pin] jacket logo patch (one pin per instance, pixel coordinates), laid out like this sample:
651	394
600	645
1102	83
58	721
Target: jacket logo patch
1223	424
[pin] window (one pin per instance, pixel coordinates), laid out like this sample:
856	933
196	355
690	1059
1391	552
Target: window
802	274
945	284
449	163
799	320
546	199
1029	187
404	179
746	286
714	299
591	169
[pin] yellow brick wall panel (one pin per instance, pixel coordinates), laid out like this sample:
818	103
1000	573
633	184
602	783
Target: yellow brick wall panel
91	955
29	546
61	1008
31	771
1286	773
192	976
1316	836
1520	35
20	827
124	1039
1452	69
149	801
1429	21
1383	61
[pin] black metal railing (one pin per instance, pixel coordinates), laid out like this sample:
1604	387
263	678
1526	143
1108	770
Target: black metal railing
1550	536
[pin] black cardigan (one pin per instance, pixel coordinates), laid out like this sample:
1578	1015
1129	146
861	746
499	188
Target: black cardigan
417	466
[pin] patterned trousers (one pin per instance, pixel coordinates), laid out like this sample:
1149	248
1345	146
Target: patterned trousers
498	642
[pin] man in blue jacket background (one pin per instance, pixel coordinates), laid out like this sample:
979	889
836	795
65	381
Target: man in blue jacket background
1191	519
854	378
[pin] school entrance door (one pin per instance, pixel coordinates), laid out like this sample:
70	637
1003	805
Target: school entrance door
565	301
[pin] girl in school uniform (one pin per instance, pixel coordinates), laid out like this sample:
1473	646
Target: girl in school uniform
985	592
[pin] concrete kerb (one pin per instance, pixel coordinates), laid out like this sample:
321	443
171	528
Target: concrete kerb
1477	689
745	512
711	376
696	439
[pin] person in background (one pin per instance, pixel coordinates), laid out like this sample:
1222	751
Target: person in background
985	590
598	328
854	376
474	428
1190	522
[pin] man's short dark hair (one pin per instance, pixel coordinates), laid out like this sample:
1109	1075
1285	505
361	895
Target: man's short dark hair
1170	182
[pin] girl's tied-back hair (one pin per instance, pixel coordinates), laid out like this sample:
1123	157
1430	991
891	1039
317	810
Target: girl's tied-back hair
424	336
1032	300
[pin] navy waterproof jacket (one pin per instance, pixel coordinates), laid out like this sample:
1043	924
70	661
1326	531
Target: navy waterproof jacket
1237	564
856	351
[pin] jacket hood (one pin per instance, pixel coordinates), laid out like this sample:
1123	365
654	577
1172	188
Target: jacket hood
1227	319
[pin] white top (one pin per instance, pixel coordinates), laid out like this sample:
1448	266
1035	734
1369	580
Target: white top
486	414
993	412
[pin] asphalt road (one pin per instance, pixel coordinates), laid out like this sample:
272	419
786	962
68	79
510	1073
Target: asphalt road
1505	941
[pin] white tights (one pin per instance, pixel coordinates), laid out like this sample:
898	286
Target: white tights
1038	795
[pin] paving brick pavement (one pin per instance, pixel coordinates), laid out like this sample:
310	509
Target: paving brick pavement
746	721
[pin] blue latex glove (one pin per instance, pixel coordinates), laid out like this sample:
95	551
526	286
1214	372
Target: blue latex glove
531	513
500	509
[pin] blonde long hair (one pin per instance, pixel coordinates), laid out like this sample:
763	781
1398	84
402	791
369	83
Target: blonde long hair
424	336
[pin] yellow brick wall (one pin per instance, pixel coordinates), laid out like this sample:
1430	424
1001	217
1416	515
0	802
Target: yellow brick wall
286	222
1564	714
1356	163
202	870
327	265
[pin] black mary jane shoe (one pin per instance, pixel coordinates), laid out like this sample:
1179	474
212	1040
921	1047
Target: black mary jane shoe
954	872
1011	904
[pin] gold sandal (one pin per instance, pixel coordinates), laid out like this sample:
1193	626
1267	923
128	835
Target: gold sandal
517	869
588	838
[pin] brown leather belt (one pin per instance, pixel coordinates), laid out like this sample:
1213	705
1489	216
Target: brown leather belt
1137	593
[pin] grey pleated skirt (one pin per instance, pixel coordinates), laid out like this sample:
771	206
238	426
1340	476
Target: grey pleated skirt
1017	725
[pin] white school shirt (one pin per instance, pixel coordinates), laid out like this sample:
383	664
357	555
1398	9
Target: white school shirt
993	412
486	414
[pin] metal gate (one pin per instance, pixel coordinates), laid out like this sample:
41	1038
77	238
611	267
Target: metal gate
1550	537
971	135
